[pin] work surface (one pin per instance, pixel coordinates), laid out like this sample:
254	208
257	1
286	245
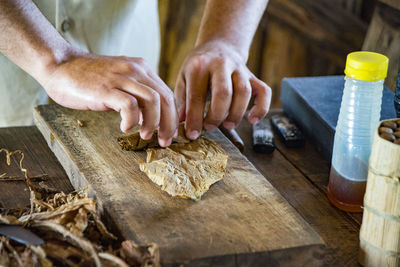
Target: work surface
300	175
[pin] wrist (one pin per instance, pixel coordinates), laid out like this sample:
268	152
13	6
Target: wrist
224	45
49	60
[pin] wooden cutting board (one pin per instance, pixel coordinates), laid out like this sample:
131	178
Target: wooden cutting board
242	218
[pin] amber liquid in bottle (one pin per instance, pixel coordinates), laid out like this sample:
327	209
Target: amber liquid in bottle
345	194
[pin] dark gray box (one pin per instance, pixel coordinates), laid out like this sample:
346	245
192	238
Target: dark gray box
314	104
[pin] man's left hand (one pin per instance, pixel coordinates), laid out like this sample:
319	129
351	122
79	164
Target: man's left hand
217	68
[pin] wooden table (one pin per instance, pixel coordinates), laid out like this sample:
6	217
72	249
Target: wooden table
300	175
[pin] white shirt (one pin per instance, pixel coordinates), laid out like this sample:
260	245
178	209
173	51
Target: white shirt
106	27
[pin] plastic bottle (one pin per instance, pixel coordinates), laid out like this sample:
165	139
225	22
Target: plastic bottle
358	118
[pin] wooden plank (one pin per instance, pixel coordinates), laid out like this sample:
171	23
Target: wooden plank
295	38
38	160
180	22
384	37
393	3
306	38
13	137
284	54
310	163
338	230
305	256
322	24
241	214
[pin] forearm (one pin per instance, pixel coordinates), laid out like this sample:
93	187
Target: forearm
233	22
86	81
28	39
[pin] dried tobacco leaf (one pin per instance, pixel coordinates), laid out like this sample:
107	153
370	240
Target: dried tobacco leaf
186	170
41	254
73	232
71	237
63	252
112	260
133	142
14	254
29	258
148	255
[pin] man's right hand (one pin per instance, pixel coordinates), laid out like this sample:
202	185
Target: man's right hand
124	84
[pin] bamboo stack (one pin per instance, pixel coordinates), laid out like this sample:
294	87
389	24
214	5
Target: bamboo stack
380	229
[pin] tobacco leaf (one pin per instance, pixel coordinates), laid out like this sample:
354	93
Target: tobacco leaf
29	258
147	255
71	227
133	142
4	256
112	260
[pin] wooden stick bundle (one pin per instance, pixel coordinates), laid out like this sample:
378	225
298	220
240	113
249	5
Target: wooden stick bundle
380	229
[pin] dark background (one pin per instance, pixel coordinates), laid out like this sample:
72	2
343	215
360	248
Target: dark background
295	37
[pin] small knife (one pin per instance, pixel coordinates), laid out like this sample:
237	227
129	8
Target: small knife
20	234
234	137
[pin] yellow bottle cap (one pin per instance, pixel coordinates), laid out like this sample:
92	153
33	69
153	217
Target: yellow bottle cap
366	66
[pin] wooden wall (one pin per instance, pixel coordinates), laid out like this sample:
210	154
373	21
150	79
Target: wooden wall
295	37
384	36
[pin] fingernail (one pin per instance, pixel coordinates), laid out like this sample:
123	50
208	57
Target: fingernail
209	127
146	136
194	134
254	120
176	134
124	128
140	119
229	125
165	143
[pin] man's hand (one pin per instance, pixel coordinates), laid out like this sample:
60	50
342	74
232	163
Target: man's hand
218	65
218	68
126	85
85	81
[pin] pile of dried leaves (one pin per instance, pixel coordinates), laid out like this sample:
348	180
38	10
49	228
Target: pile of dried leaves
72	230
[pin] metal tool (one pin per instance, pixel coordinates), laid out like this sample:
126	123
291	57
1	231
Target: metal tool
288	131
20	234
263	137
234	137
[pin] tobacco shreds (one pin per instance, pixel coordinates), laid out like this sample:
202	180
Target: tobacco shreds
71	228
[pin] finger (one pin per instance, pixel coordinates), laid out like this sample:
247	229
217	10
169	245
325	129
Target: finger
126	105
262	100
196	90
169	116
139	70
149	103
221	97
240	99
180	96
131	66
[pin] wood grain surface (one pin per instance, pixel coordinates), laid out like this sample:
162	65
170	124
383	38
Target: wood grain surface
384	37
39	161
294	38
301	176
240	215
339	230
